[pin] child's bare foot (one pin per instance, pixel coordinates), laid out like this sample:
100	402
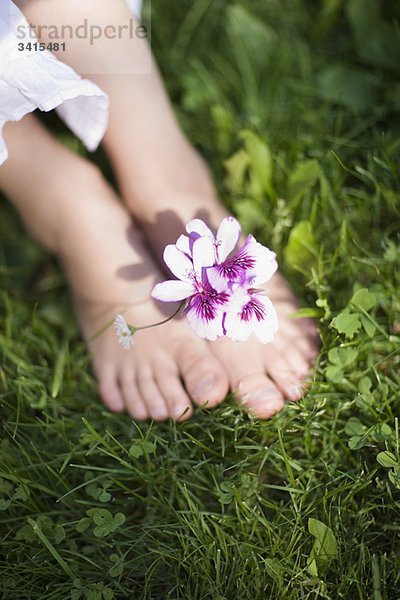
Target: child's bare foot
110	272
163	194
262	376
69	208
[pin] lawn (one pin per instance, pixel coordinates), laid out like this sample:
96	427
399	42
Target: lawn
296	107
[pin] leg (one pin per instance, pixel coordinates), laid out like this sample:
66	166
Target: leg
164	183
70	209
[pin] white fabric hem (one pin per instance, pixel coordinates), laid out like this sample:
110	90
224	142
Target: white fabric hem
38	80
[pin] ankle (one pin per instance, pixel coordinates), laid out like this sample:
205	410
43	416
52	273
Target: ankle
56	215
180	179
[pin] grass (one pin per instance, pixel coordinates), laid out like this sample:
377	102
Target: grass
300	122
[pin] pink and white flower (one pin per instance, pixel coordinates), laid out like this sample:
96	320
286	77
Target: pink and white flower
205	305
221	287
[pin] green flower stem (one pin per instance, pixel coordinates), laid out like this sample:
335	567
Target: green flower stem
102	330
132	327
135	329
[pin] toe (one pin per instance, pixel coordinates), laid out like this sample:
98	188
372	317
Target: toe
204	376
247	378
259	395
178	402
296	360
308	347
288	369
133	400
153	398
110	392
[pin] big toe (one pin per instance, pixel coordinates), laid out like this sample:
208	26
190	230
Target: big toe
204	376
110	391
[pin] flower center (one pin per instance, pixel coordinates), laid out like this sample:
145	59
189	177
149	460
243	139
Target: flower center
207	301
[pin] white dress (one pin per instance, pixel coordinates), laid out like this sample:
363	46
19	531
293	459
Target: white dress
38	80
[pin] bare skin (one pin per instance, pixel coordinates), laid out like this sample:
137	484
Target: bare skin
69	208
164	183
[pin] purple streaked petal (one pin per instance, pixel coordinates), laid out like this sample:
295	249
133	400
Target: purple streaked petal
238	268
258	315
183	244
203	254
206	328
178	263
227	237
173	290
218	278
198	227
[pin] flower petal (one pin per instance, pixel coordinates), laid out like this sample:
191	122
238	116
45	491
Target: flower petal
123	332
199	227
236	329
217	278
207	329
267	327
178	263
183	244
172	290
227	237
239	296
203	254
264	259
258	315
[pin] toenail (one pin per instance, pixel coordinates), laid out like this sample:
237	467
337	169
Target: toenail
179	411
265	394
160	414
203	386
295	391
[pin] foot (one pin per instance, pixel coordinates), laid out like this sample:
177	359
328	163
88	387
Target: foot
261	376
264	376
110	271
72	211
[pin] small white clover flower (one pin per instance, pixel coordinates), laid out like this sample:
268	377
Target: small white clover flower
124	332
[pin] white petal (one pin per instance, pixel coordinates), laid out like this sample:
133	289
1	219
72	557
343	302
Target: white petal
266	329
216	280
123	332
237	299
126	342
178	263
172	290
120	323
266	264
203	254
183	244
209	330
198	226
265	267
236	329
227	237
